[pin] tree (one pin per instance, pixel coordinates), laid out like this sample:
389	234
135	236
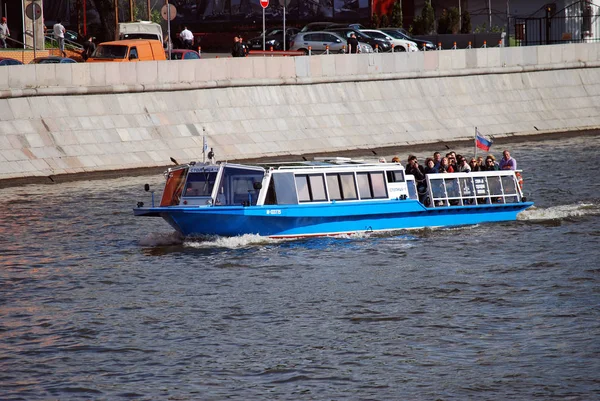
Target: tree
443	23
396	19
466	23
428	17
385	21
375	23
453	20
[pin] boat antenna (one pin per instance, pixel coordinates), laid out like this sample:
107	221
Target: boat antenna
174	161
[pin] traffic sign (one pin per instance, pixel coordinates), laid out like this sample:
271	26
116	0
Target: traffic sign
33	11
264	3
168	11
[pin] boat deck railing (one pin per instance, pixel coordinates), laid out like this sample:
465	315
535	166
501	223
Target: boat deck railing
476	188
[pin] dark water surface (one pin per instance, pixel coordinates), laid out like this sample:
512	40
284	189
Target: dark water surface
97	304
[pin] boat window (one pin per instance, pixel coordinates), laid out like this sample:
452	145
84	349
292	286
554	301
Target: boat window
200	184
237	186
333	185
437	188
173	187
311	188
302	188
371	185
452	187
495	186
412	189
363	185
341	186
378	185
317	186
348	186
508	183
282	190
395	176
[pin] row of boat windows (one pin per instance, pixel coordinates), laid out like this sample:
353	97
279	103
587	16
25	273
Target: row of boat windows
287	188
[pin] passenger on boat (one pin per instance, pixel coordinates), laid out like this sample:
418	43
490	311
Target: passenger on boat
507	162
437	159
474	166
452	161
445	167
480	162
382	160
490	164
396	159
419	174
463	166
430	166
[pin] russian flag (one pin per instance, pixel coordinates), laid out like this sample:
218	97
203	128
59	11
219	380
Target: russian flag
481	142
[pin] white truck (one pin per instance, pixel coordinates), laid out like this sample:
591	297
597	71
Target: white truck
140	30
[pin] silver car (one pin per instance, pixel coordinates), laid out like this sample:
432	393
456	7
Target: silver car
318	42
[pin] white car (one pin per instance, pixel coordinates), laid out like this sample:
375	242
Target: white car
400	45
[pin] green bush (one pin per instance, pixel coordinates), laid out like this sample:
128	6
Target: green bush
396	19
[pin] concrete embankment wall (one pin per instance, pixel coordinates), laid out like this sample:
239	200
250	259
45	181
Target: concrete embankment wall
61	119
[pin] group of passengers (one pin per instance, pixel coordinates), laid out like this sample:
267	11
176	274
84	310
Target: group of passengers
453	163
456	163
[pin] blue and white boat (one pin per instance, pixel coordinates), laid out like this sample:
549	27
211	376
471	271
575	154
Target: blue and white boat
328	196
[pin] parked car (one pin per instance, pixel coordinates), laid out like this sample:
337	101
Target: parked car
52	60
273	38
129	50
319	40
400	33
183	54
401	45
316	26
381	44
9	61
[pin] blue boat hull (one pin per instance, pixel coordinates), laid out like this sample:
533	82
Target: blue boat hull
326	219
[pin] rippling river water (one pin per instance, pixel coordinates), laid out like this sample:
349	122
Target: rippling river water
97	304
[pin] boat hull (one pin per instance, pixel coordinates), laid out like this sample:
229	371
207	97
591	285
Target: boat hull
280	221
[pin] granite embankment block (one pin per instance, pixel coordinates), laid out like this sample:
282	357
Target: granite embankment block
105	116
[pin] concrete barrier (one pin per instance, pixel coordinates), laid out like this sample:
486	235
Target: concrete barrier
62	119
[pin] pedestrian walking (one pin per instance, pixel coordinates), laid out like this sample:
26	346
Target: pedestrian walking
59	35
4	32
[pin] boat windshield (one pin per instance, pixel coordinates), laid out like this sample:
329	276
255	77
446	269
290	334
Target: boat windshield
200	183
239	186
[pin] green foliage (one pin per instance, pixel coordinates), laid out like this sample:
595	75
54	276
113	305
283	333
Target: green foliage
443	23
375	22
385	21
155	16
428	18
484	28
453	20
449	21
417	27
466	22
396	19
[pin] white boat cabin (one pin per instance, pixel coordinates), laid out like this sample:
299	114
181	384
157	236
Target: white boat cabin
329	180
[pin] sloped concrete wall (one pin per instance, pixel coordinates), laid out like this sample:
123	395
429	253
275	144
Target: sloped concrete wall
109	116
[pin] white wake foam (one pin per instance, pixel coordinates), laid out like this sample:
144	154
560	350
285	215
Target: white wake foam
559	212
241	241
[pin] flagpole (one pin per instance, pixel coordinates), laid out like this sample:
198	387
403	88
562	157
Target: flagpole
475	142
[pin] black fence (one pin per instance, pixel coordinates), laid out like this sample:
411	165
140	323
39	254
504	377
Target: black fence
577	23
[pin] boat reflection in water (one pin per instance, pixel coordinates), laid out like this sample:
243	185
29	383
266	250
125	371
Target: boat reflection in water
328	196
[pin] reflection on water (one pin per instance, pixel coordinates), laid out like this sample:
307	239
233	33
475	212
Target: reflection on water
98	304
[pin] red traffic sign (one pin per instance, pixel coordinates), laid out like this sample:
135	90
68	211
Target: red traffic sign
264	3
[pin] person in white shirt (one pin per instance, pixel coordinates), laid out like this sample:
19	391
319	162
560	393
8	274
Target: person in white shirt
187	38
59	34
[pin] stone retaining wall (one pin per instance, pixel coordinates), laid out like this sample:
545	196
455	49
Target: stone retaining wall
65	119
